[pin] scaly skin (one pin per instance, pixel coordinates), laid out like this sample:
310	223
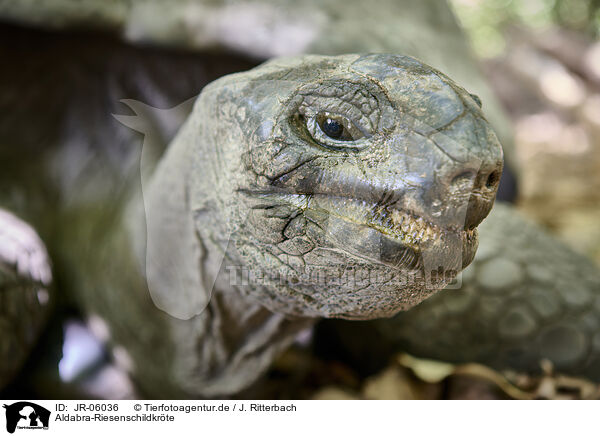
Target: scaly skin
25	291
237	178
250	183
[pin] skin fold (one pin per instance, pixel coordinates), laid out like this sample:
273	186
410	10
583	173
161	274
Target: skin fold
297	203
255	191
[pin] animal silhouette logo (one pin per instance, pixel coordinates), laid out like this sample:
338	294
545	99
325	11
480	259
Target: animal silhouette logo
26	415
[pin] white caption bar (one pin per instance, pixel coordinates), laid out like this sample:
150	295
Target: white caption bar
305	418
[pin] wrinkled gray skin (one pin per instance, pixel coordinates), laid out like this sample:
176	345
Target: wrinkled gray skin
404	199
249	176
252	176
103	256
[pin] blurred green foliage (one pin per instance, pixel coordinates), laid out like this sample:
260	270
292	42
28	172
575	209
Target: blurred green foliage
487	21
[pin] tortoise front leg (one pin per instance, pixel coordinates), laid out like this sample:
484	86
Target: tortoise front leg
25	292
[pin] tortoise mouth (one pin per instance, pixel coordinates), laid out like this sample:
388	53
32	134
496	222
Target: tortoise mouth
405	236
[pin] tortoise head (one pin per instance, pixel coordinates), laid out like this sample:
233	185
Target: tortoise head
350	186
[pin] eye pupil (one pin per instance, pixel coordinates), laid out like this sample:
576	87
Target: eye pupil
332	128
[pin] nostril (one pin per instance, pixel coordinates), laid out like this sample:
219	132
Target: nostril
493	179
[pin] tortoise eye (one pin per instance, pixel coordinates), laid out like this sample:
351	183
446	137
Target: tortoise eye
333	127
338	127
335	131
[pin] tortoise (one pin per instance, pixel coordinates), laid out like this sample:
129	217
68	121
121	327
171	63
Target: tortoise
203	259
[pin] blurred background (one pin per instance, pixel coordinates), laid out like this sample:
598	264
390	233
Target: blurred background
542	57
